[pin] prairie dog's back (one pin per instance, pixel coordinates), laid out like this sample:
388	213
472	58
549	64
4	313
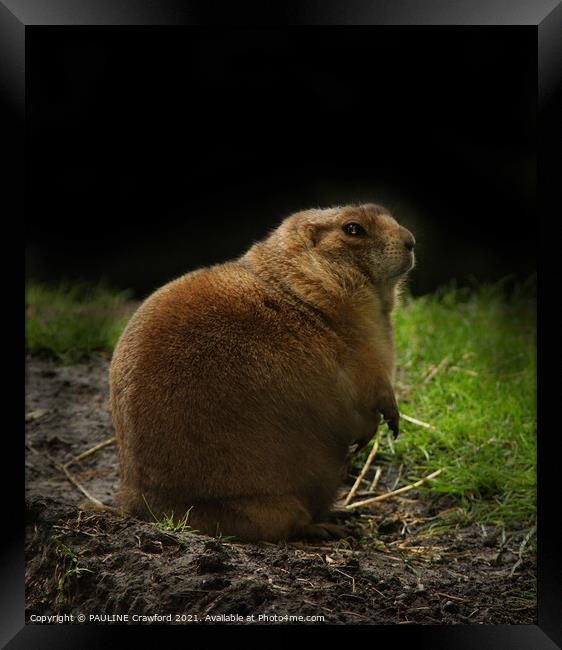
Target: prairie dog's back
229	373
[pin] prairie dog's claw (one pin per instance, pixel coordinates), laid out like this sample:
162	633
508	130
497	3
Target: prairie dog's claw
389	410
394	426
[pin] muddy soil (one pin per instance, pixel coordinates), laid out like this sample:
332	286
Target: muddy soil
398	565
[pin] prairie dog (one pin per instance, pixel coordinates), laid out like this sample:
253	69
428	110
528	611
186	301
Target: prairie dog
236	390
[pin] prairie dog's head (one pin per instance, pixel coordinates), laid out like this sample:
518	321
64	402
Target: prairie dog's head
365	238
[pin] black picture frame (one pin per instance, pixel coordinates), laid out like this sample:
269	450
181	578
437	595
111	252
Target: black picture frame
544	17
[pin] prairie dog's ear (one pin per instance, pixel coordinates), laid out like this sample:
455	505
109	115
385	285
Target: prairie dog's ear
310	233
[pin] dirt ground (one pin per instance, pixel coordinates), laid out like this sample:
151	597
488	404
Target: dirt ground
398	566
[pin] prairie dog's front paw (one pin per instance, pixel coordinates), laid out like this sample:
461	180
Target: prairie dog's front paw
389	409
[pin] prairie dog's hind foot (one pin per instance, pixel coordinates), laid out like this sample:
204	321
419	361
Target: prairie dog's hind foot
323	530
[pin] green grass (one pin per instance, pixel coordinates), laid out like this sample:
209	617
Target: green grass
168	523
69	557
70	322
481	404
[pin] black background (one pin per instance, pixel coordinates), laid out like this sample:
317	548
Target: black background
153	151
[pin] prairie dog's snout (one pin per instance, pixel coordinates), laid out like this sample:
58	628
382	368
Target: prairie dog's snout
399	248
408	239
236	390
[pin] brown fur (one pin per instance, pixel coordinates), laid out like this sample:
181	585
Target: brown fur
237	390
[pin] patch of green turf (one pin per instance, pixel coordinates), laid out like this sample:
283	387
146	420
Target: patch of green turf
73	321
480	403
169	523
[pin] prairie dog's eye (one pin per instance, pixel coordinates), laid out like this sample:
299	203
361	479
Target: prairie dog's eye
354	229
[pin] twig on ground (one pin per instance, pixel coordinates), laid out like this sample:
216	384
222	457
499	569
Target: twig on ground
365	493
89	452
74	481
36	415
354	614
420	423
212	605
309	602
473	373
405	499
314	549
376	479
440	593
388	495
398	477
502	548
80	487
521	549
347	576
440	366
366	466
354	477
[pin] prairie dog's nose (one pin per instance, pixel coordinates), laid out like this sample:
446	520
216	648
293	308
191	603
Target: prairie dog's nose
407	238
